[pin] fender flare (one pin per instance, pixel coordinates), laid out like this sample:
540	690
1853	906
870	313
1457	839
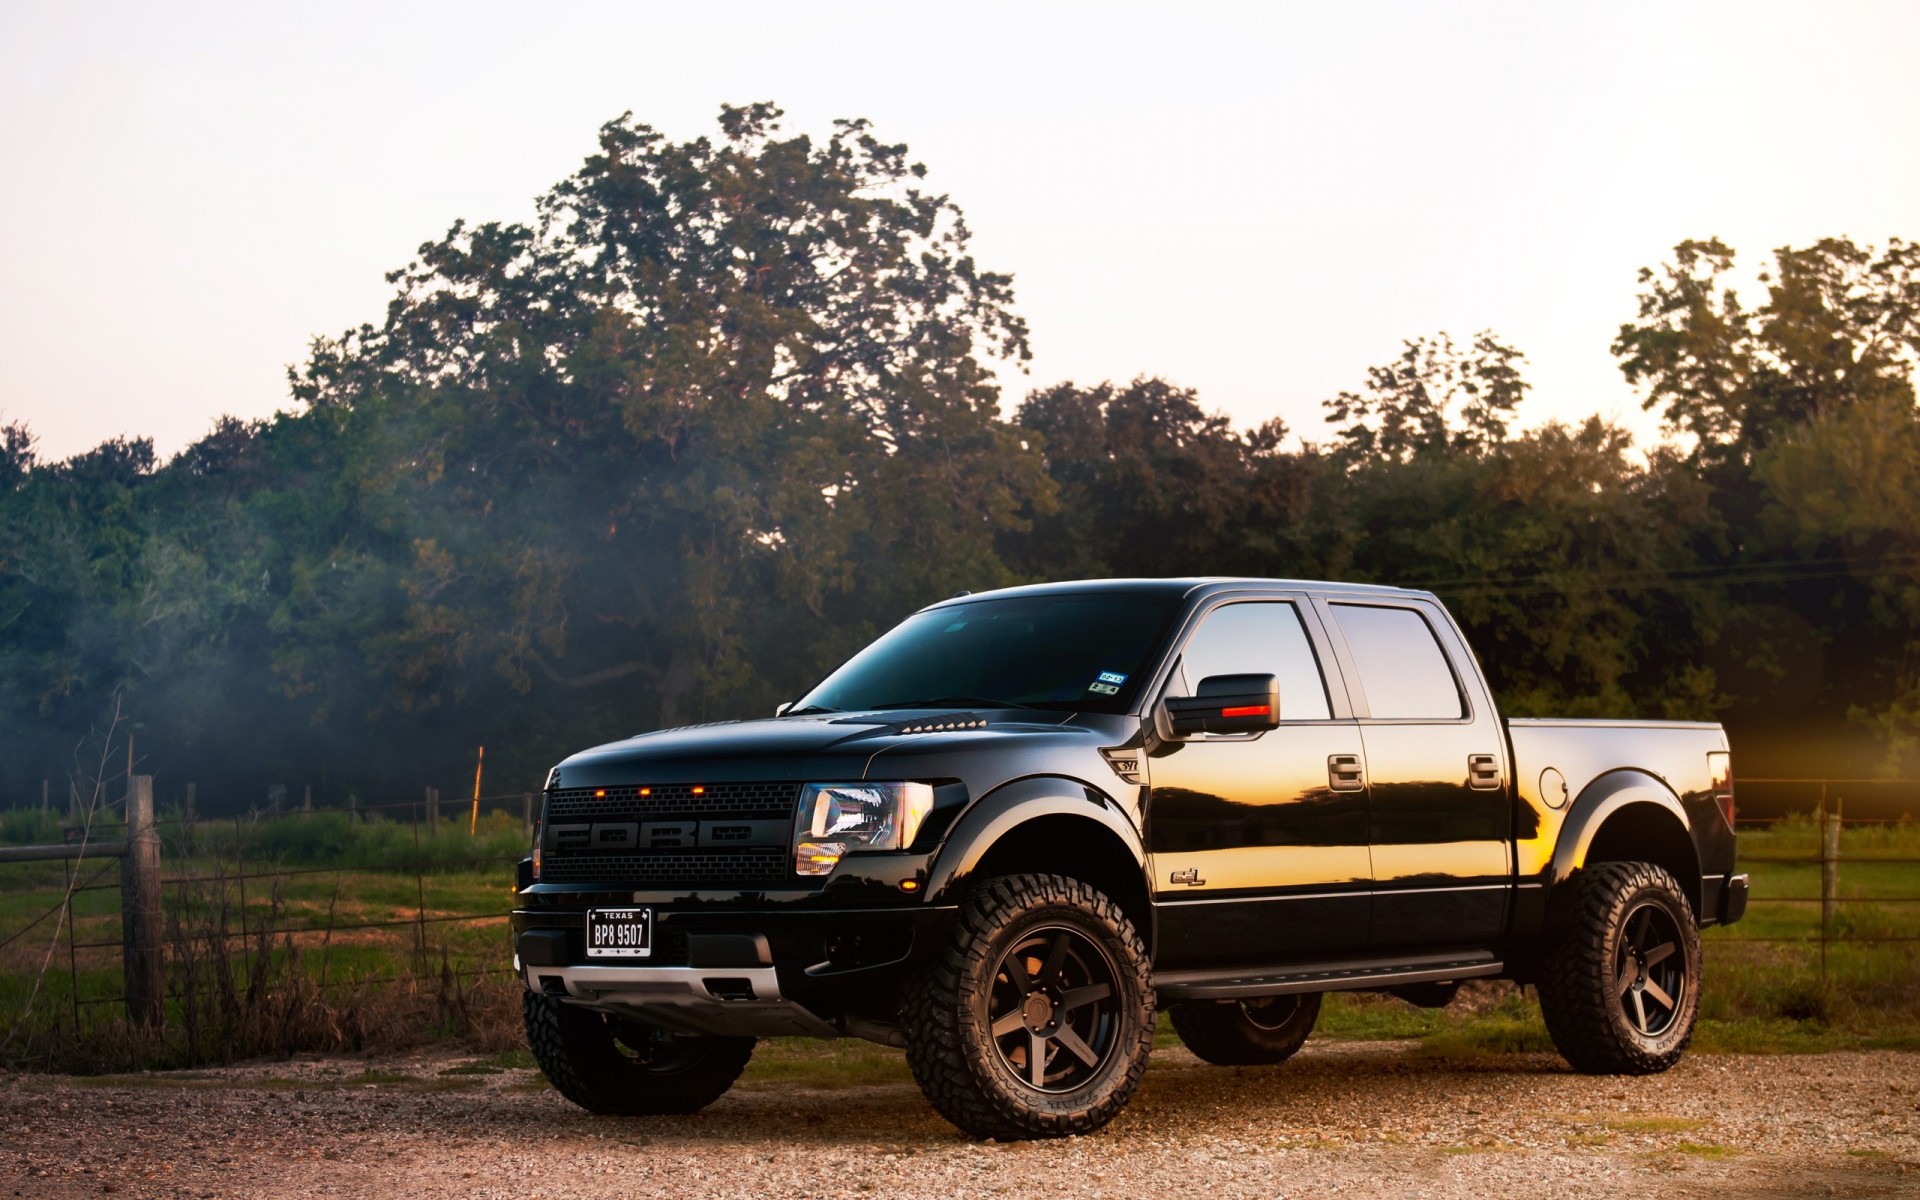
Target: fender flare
1604	798
998	813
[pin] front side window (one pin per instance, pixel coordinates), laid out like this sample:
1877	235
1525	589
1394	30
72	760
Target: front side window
1263	638
1401	665
1070	653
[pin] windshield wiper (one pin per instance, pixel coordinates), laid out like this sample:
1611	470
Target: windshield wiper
954	702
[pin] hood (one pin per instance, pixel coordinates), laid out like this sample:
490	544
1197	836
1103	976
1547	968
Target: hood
814	747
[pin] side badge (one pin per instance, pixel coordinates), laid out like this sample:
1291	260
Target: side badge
1190	877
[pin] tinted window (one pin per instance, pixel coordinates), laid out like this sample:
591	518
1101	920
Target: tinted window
1260	639
1402	668
1060	652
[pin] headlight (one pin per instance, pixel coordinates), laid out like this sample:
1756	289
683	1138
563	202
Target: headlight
835	818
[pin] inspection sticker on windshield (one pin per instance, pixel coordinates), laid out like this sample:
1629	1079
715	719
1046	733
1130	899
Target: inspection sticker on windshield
1108	684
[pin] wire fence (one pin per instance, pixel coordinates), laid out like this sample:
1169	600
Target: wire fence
407	893
234	890
1880	870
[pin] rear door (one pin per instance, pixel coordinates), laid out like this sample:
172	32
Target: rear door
1440	819
1258	842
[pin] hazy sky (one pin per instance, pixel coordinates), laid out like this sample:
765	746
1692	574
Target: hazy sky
1256	200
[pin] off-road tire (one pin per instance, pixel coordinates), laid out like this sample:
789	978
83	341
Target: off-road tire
966	1071
1246	1033
1591	971
618	1067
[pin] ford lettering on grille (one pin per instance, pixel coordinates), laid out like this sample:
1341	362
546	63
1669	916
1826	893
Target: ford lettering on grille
671	835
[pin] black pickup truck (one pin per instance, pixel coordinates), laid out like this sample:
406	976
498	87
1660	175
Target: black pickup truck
1008	831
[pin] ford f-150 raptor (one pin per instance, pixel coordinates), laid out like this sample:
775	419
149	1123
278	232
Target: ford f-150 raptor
1006	833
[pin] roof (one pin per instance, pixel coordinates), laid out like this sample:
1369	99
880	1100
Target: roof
1178	587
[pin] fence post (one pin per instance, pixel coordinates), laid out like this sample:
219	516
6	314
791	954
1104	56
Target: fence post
45	803
306	798
1829	879
433	812
140	908
526	803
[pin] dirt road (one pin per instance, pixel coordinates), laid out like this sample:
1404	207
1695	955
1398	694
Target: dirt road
1345	1118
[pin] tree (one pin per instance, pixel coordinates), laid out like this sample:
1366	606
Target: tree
1843	496
715	379
1434	399
1152	484
1841	326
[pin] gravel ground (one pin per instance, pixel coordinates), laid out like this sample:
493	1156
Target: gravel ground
1358	1118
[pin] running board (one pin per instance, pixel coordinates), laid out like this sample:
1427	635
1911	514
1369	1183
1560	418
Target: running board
1323	977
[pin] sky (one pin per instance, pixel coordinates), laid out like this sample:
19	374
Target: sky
1258	201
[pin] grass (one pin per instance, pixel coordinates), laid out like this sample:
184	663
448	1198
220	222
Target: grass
335	944
1653	1124
337	941
1702	1149
835	1065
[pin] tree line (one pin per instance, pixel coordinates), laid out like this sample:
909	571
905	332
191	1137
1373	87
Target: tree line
726	409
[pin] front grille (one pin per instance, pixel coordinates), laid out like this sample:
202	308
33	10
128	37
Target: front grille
671	868
742	800
681	854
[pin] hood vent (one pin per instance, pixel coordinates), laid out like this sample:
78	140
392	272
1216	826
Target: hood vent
945	724
684	728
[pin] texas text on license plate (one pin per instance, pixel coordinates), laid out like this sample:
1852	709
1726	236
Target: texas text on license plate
619	932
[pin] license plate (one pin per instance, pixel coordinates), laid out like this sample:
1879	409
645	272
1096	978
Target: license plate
619	932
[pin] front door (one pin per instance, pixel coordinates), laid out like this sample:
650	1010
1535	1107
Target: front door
1258	842
1436	763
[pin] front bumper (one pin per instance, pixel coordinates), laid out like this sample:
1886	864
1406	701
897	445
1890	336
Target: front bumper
740	971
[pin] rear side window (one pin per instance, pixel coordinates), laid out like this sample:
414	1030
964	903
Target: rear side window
1402	667
1259	639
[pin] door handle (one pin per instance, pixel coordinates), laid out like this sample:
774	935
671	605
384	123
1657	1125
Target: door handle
1344	773
1483	772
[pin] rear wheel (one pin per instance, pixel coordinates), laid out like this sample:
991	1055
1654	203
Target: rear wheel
1246	1033
619	1066
1036	1019
1620	989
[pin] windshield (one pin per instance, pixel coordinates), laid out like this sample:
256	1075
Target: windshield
1070	653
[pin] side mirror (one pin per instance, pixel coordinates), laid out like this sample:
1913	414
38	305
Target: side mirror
1226	704
784	706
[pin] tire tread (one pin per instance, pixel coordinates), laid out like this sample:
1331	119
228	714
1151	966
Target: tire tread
933	1013
1575	979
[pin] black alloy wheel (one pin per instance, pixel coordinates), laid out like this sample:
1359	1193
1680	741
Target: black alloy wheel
619	1066
1052	1009
1035	1018
1619	976
1251	1032
1273	1013
1650	975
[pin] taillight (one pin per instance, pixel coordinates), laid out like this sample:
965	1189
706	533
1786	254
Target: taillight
1720	772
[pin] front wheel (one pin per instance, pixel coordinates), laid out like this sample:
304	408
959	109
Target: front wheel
621	1067
1621	986
1246	1033
1036	1019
